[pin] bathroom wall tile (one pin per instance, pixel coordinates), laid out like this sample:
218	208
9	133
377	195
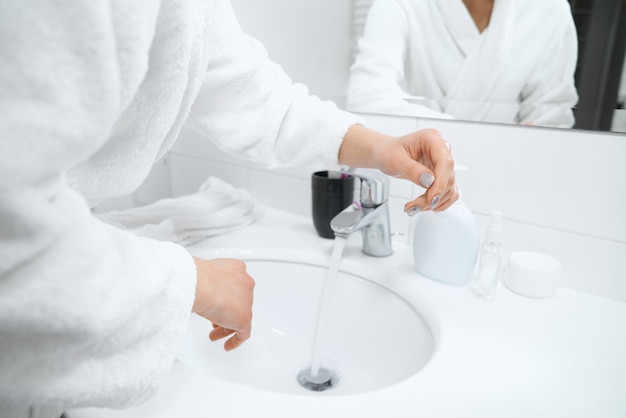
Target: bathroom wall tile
401	188
302	172
564	179
288	193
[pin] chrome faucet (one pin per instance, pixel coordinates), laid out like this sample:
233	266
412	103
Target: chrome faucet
370	215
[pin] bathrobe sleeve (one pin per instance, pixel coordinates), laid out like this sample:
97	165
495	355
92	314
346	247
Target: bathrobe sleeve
549	95
89	315
248	105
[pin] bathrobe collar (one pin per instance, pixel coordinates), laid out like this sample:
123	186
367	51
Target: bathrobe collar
485	52
460	24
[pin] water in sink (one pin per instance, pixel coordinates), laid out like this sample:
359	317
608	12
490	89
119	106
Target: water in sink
374	338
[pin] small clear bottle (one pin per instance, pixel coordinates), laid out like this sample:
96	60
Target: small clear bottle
490	259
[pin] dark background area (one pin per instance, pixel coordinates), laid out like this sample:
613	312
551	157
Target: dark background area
601	26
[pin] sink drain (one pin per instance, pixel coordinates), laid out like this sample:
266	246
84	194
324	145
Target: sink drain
323	380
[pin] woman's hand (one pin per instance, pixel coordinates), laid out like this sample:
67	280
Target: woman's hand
224	294
422	157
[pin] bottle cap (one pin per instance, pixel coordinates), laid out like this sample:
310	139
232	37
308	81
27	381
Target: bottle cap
494	229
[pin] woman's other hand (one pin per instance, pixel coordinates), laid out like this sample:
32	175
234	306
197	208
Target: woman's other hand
224	295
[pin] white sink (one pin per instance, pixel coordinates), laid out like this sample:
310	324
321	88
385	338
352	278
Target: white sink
510	357
375	337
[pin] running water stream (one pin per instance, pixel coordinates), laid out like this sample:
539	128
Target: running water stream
317	378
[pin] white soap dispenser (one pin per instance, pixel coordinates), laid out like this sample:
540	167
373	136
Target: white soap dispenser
446	244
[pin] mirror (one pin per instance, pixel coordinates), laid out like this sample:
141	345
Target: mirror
593	99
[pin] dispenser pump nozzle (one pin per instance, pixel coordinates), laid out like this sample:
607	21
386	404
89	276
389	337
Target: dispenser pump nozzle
494	229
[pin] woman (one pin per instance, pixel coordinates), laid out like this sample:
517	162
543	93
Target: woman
507	61
93	93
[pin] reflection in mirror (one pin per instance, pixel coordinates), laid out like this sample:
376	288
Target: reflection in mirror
492	61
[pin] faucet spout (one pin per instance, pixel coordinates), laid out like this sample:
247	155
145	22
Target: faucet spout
370	216
352	219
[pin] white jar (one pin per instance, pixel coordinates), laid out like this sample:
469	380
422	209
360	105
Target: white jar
446	244
532	274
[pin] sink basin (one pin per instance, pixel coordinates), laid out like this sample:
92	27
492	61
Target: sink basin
562	356
375	337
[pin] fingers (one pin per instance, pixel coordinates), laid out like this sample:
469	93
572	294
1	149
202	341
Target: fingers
442	191
447	200
220	332
439	202
235	341
439	154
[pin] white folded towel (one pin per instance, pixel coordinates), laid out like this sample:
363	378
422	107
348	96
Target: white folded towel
217	208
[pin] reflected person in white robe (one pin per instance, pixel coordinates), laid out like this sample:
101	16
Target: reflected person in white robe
503	61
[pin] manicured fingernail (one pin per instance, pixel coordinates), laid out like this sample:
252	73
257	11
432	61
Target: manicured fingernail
413	211
426	180
434	202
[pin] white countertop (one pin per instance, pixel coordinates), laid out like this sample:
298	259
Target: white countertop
564	356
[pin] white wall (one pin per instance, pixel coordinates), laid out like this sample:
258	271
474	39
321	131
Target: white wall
562	192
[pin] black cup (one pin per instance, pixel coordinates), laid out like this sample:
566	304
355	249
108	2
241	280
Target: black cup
332	192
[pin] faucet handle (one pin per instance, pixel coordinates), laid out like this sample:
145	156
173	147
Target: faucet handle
374	188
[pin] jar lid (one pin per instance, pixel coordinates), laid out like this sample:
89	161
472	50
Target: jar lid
532	274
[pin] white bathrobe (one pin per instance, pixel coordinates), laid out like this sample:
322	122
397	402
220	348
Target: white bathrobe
427	58
92	93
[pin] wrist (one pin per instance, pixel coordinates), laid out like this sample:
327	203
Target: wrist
202	290
358	148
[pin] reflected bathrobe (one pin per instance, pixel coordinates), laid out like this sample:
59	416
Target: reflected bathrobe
427	58
92	93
